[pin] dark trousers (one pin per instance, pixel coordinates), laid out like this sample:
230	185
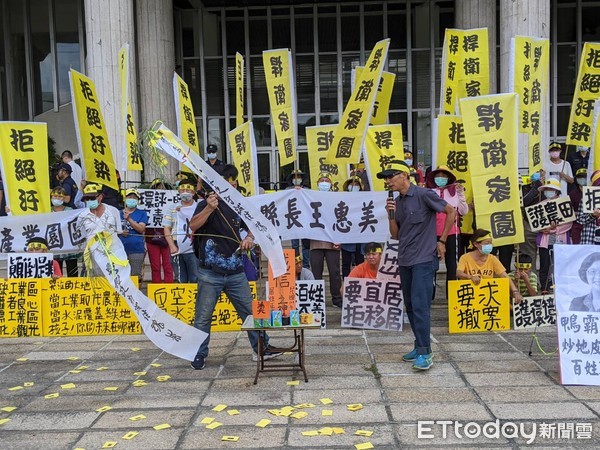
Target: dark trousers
71	267
347	256
332	257
545	263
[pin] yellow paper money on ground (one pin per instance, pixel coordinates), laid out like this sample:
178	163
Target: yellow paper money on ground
219	408
104	408
310	433
327	412
293	383
207	420
3	421
53	395
365	433
233	412
213	425
130	435
109	444
162	426
326	401
263	423
138	417
230	438
8	408
68	386
364	446
355	407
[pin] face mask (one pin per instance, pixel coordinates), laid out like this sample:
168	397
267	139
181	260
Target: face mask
440	181
186	196
408	162
535	177
131	203
177	183
486	249
324	186
211	155
554	154
581	181
92	204
57	202
550	194
297	181
353	188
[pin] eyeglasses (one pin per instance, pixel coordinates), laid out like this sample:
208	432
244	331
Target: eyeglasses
389	177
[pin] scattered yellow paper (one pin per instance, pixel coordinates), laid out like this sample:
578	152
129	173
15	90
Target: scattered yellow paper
364	446
233	412
326	401
337	430
102	368
3	421
155	365
74	371
138	417
135	349
8	408
327	412
207	420
293	383
109	444
28	384
365	433
73	358
275	412
111	388
68	386
162	426
104	408
139	374
213	425
22	359
54	395
83	367
130	435
263	423
355	407
139	383
219	408
304	405
299	415
163	377
15	388
310	433
326	431
230	438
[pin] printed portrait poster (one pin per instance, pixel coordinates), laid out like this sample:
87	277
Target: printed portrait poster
577	294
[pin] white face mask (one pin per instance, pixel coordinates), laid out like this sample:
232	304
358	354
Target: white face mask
324	186
57	201
581	181
186	196
211	155
555	154
550	193
353	188
297	181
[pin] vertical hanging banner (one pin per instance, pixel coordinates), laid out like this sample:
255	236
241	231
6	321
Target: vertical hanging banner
281	87
239	89
318	141
243	150
96	154
381	146
131	158
452	153
587	91
24	162
530	65
465	67
383	98
490	124
349	135
184	110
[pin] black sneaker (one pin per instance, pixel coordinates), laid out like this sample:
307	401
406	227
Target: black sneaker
268	354
198	363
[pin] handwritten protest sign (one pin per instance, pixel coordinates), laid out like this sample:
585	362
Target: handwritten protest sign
537	311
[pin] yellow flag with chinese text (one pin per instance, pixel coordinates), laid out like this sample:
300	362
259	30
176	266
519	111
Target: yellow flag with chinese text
381	146
351	132
239	89
318	141
281	87
96	154
243	151
186	121
24	158
131	151
381	107
490	124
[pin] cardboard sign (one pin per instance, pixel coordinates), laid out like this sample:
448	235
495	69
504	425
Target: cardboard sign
537	311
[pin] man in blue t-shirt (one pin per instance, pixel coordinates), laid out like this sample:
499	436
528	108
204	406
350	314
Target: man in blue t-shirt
134	225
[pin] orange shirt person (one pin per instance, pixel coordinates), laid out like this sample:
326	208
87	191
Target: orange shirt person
369	268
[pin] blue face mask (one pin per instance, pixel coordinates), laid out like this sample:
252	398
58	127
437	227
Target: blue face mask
486	249
408	162
535	176
131	203
440	181
92	204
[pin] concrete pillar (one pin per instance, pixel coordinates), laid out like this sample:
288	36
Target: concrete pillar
156	65
480	14
109	24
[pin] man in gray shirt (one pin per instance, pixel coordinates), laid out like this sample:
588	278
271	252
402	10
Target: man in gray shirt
412	219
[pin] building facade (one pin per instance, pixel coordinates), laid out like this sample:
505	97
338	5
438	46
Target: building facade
42	39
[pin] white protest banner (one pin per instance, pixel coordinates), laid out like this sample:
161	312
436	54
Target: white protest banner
388	266
541	215
310	298
30	265
157	202
536	311
165	331
372	304
577	272
591	199
264	233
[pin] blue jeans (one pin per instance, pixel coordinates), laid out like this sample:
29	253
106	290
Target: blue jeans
237	289
305	251
188	268
417	289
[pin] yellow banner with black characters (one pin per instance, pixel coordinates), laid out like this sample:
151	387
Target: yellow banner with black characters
131	152
452	152
318	142
491	131
465	67
381	146
96	154
350	134
281	87
381	107
24	160
530	79
243	151
186	121
239	89
587	90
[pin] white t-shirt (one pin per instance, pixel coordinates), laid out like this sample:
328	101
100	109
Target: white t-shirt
89	223
553	171
76	174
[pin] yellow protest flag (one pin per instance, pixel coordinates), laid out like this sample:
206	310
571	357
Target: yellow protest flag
530	65
586	93
131	151
282	101
96	153
318	142
24	159
239	89
478	308
243	151
595	150
350	134
465	67
452	152
490	124
382	145
186	121
381	107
